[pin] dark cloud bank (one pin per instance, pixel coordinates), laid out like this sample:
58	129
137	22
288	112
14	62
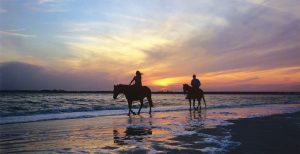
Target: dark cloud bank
22	76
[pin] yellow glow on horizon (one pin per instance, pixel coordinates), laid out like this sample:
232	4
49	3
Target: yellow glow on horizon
164	82
288	75
169	81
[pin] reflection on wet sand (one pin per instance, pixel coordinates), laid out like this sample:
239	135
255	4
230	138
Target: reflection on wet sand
162	132
136	134
201	114
196	120
133	132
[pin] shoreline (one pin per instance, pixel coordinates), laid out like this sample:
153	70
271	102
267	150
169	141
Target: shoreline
156	92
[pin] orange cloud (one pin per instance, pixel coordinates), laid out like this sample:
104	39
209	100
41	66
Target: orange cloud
235	78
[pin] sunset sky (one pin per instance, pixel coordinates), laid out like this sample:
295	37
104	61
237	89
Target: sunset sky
231	45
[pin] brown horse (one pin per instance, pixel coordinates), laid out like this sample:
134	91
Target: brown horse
192	95
133	93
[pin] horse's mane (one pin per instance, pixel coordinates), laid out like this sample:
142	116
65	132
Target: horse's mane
126	86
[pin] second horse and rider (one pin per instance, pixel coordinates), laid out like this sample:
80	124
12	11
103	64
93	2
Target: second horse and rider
137	92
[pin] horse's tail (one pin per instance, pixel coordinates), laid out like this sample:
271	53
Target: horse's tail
202	95
150	101
148	94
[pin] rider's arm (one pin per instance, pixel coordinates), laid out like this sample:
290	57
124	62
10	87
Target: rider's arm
132	81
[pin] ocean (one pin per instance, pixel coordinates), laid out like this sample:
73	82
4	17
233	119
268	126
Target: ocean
27	107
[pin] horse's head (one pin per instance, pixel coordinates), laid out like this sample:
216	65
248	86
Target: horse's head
185	88
117	91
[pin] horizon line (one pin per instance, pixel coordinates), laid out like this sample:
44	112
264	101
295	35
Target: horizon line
154	92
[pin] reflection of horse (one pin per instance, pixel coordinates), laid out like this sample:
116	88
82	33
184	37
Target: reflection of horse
131	134
193	94
137	130
133	93
197	120
199	115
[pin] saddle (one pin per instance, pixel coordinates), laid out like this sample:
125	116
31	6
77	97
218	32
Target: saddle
136	88
195	93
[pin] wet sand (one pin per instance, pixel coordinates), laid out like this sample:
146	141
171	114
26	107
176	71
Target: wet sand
272	134
208	131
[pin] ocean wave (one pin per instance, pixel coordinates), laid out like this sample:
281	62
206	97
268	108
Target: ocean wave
90	114
36	104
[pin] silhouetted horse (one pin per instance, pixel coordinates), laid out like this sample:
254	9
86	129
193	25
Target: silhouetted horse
133	93
192	94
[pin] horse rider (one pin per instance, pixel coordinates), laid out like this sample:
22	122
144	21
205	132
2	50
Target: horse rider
137	79
195	83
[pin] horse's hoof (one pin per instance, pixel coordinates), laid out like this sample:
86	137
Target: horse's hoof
128	114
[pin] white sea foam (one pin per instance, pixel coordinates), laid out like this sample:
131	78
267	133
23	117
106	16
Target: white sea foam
85	114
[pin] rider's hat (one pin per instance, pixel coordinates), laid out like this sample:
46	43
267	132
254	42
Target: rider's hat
138	73
194	75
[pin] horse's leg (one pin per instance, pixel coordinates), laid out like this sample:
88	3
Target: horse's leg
194	104
199	103
130	105
190	104
204	100
132	112
141	100
150	102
